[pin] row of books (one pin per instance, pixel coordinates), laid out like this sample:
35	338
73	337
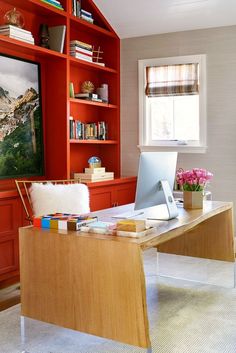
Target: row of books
81	50
85	223
54	3
81	13
17	33
88	131
63	221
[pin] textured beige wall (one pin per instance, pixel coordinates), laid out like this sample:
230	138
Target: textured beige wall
219	44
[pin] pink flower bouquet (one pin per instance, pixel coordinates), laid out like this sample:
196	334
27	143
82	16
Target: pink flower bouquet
193	180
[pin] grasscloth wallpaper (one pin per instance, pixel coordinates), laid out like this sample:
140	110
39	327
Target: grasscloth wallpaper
219	44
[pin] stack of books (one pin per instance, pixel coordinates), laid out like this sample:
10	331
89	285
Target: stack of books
87	16
89	96
63	221
54	3
94	174
17	33
87	131
81	50
81	13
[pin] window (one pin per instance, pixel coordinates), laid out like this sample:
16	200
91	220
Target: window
172	96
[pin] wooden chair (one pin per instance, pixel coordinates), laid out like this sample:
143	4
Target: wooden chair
23	187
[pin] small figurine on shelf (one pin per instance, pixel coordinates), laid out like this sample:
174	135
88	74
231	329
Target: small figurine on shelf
87	87
44	36
94	162
14	18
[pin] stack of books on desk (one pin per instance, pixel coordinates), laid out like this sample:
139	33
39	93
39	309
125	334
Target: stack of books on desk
63	221
81	50
17	33
94	174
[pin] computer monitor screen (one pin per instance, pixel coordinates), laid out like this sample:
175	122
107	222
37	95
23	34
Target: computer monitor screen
154	168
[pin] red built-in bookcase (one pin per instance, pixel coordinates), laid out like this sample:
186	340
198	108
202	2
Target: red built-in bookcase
63	156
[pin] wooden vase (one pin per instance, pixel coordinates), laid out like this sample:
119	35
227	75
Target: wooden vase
193	199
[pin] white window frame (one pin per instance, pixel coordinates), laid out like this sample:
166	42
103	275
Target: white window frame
193	146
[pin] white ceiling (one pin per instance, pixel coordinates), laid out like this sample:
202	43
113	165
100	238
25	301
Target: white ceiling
134	18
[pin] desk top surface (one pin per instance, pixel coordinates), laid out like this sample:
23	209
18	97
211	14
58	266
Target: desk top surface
165	230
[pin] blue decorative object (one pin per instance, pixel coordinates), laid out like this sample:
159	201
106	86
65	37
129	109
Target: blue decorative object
94	162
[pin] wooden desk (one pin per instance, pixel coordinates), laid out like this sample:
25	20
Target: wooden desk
95	283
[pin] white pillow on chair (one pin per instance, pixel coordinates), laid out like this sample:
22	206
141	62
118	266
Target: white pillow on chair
65	198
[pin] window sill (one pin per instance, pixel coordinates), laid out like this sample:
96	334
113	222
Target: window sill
180	149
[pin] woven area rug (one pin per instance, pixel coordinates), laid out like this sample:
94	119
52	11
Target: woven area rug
185	317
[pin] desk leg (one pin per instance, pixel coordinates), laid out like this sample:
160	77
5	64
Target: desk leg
235	275
89	284
22	333
211	239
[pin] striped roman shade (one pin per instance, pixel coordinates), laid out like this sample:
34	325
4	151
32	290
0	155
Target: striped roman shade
172	80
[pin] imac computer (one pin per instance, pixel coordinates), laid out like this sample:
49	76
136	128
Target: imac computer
156	176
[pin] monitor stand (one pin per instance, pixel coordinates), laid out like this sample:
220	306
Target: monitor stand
169	201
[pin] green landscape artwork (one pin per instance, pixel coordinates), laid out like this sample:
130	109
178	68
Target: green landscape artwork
21	147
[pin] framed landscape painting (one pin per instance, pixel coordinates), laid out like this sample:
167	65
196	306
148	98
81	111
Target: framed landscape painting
21	135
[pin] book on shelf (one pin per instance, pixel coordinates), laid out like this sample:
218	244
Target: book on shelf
76	7
94	177
98	100
86	18
57	38
81	44
17	33
14	29
72	92
81	56
54	3
29	41
77	48
86	13
95	170
86	95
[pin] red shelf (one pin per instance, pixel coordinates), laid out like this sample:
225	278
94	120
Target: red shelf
83	101
36	6
28	48
90	27
91	65
96	142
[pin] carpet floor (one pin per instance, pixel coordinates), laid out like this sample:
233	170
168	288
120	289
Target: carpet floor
184	317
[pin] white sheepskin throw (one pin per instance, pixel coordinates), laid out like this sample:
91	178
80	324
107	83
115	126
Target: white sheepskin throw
52	198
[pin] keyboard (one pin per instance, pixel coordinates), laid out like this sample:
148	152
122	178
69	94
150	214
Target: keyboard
127	215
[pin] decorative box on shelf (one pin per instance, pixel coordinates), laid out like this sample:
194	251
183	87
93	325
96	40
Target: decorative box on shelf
94	174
